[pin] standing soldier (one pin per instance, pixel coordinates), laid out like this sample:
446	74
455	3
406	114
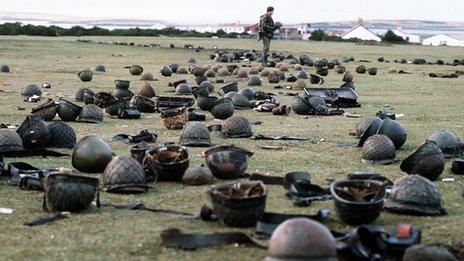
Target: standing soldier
266	32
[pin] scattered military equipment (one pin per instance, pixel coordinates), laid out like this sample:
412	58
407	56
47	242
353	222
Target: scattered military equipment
394	130
122	84
61	135
254	80
448	142
85	75
91	113
372	71
100	68
237	127
173	102
80	94
46	85
222	108
32	90
123	94
166	71
10	141
174	119
176	83
427	161
195	134
113	108
102	99
91	154
124	174
457	166
231	87
340	69
144	104
68	111
198	175
89	97
427	253
34	132
5	68
135	69
378	150
415	195
227	161
370	128
183	89
146	90
361	69
129	112
167	162
147	77
46	111
238	204
205	102
71	193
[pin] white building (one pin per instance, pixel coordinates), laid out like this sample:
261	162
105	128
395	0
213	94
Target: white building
445	39
412	38
362	33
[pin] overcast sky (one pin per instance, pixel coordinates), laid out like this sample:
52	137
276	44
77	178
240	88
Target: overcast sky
200	11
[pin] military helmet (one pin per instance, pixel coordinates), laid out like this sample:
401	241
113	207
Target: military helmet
71	193
61	135
361	69
80	94
100	68
362	125
147	77
340	69
300	106
123	94
144	104
448	142
91	154
318	105
10	141
32	90
266	72
121	84
303	74
146	90
34	132
182	70
222	108
394	130
231	87
254	71
427	253
197	175
301	239
223	72
415	195
372	129
242	73
240	101
372	71
195	134
248	92
124	174
227	161
5	68
378	149
174	67
299	85
46	111
208	85
427	161
205	102
254	81
322	71
91	113
230	94
197	71
273	78
183	89
237	127
166	71
135	69
210	73
85	75
68	111
348	77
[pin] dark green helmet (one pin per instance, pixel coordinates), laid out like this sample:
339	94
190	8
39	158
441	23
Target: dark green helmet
372	129
122	84
340	69
46	111
378	149
91	113
227	161
124	174
147	77
62	135
300	106
166	71
135	69
91	154
85	75
34	132
205	102
182	70
222	108
361	69
195	134
254	81
395	131
5	69
71	193
427	161
100	68
415	195
230	94
123	94
241	102
68	111
174	67
32	90
372	71
197	175
80	94
113	108
210	73
248	92
209	86
183	89
10	141
448	142
146	90
237	127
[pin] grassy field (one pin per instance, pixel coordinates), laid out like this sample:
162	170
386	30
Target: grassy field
428	104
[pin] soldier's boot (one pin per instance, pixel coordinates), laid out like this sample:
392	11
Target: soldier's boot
264	59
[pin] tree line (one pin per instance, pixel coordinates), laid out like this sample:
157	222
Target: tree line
389	37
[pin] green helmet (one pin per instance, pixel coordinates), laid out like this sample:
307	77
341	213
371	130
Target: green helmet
10	141
91	113
34	132
85	75
394	130
65	192
195	134
5	68
46	111
372	71
197	175
300	106
222	108
135	69
362	125
166	71
240	101
122	84
124	174
237	127
301	239
248	92
91	154
205	102
340	69
361	69
427	161
378	149
146	90
68	111
209	86
427	253
32	90
182	70
62	135
415	195
100	68
372	129
303	74
254	81
448	142
183	89
80	94
123	94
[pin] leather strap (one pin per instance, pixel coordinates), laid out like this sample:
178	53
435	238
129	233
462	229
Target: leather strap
43	221
31	153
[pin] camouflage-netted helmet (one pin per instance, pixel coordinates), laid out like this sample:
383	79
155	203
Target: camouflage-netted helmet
174	67
147	77
135	69
241	102
303	74
183	89
222	108
205	102
61	135
230	94
32	90
208	86
198	91
378	149
34	132
146	90
395	131
242	73
80	94
348	77
427	161
201	78
46	111
300	106
182	70
301	239
362	125
166	71
415	195
100	68
372	71
299	85
123	94
237	127
340	69
427	253
91	113
273	78
197	175
85	75
361	69
10	141
372	129
71	193
5	68
91	154
448	142
144	104
254	81
68	111
124	174
195	134
248	92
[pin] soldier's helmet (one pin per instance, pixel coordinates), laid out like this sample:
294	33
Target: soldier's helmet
91	113
34	132
361	69
222	108
91	154
100	68
254	81
31	90
166	71
146	90
85	75
378	150
448	142
197	175
62	135
248	92
237	127
68	111
300	106
427	161
395	131
135	69
183	89
195	134
124	174
10	141
240	101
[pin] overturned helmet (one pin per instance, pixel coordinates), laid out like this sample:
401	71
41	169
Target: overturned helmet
46	111
378	150
237	127
91	154
68	111
372	129
195	134
448	142
62	135
124	174
427	161
362	125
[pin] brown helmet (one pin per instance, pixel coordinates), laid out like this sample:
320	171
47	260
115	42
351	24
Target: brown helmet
46	111
237	127
135	69
124	174
197	175
227	161
146	90
378	149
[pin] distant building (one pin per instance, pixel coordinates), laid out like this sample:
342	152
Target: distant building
445	39
362	33
412	38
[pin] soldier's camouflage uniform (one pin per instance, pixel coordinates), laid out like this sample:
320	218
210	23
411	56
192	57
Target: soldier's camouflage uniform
267	28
